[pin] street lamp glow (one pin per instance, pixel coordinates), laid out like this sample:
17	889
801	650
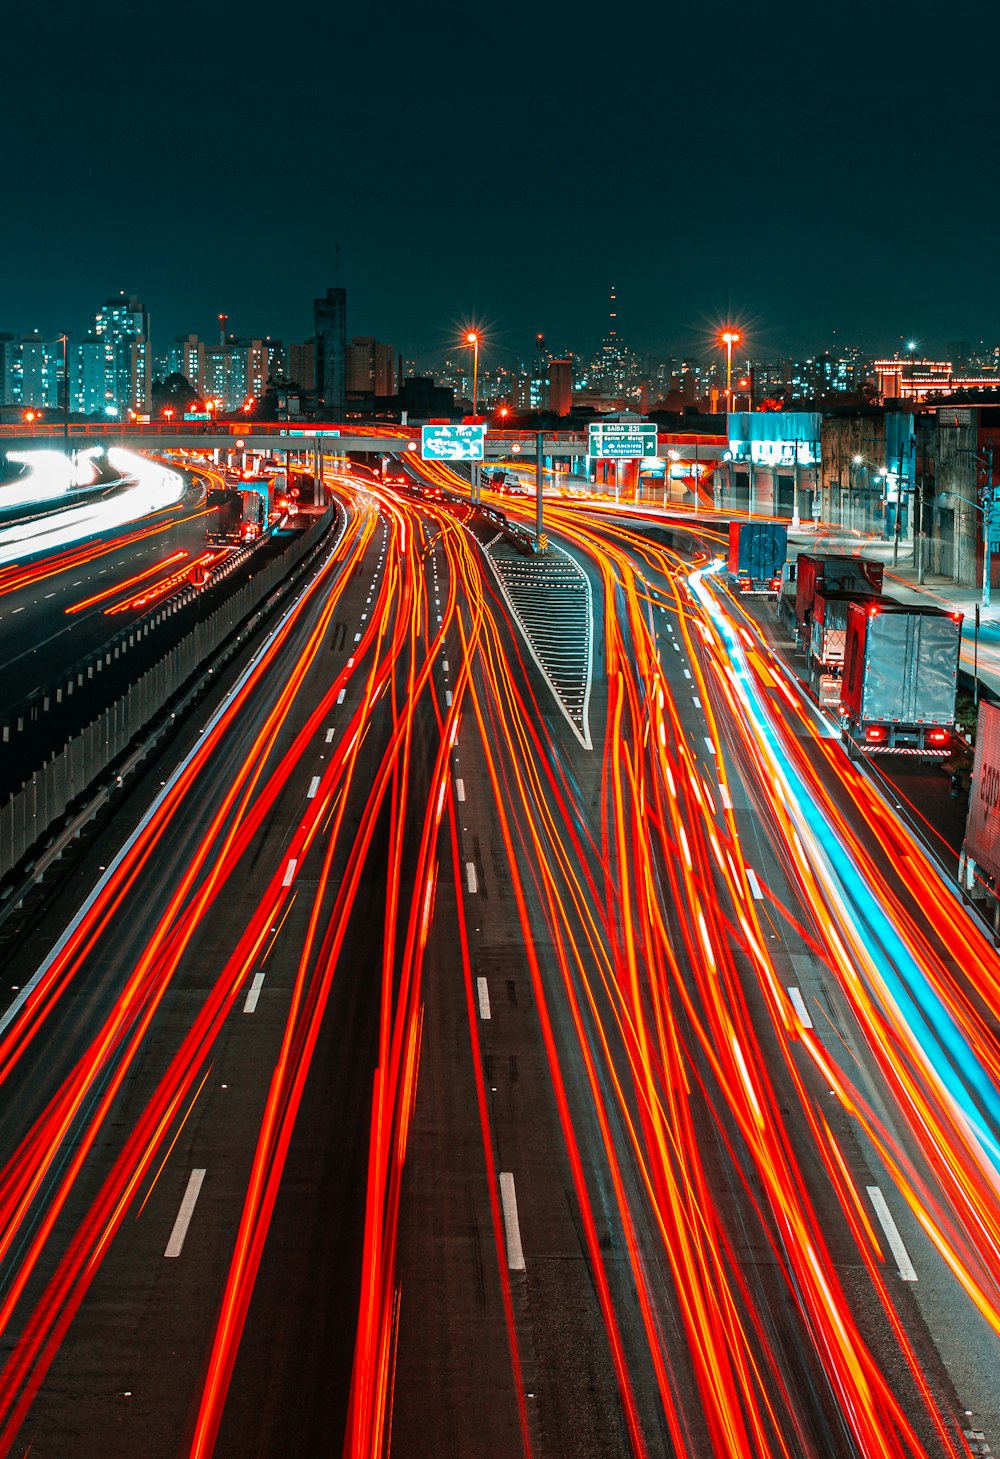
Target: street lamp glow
729	337
858	460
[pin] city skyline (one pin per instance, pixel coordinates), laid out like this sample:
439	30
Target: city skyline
805	178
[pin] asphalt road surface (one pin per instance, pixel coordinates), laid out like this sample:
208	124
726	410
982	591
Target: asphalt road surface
506	1029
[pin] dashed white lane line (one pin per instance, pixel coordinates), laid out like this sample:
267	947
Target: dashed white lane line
286	880
687	673
695	701
460	789
254	993
471	879
329	736
447	697
313	787
511	1228
176	1243
725	797
483	993
758	895
903	1262
340	696
711	747
357	638
799	1004
445	666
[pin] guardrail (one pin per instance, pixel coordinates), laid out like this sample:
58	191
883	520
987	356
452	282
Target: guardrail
28	815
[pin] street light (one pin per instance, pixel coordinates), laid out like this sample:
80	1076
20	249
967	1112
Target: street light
472	339
729	337
64	339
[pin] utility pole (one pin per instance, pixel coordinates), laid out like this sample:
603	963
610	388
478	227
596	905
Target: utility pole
918	540
987	527
898	519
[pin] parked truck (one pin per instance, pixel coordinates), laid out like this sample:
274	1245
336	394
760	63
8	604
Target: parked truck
757	553
828	640
900	679
835	573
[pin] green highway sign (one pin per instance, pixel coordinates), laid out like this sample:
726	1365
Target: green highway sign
621	440
453	443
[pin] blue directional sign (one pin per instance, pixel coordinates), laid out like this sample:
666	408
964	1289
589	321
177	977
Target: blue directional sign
453	443
621	440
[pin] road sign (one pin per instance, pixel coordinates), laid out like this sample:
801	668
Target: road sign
621	440
453	443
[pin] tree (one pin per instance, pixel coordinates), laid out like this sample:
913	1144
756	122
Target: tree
175	393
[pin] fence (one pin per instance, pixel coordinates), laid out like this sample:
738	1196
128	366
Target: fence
28	815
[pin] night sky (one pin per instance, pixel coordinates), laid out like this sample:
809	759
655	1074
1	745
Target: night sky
823	175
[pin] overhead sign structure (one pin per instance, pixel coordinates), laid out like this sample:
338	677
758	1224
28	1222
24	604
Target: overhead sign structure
621	440
453	443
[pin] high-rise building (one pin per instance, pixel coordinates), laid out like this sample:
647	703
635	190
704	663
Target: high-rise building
30	371
301	363
122	325
330	318
371	367
185	358
87	383
560	386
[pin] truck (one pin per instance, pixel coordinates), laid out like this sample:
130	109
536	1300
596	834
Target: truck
837	573
757	553
828	641
237	516
900	679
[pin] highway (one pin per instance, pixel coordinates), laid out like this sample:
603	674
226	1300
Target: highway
503	1023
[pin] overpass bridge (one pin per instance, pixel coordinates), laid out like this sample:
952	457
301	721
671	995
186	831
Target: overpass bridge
501	445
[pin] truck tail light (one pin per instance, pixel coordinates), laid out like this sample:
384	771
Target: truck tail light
938	737
874	733
746	584
775	583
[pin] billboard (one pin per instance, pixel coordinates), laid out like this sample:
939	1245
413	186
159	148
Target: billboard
982	831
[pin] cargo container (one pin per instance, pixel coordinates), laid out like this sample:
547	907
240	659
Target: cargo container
900	679
757	553
837	574
828	640
981	852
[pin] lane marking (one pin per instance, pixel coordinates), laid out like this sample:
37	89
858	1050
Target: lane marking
758	895
511	1227
482	988
445	666
725	797
177	1235
313	787
892	1235
340	696
687	673
357	638
447	698
329	735
254	993
460	789
695	701
470	876
286	880
711	747
799	1004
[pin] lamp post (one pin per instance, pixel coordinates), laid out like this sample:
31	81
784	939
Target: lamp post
472	339
729	337
64	340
